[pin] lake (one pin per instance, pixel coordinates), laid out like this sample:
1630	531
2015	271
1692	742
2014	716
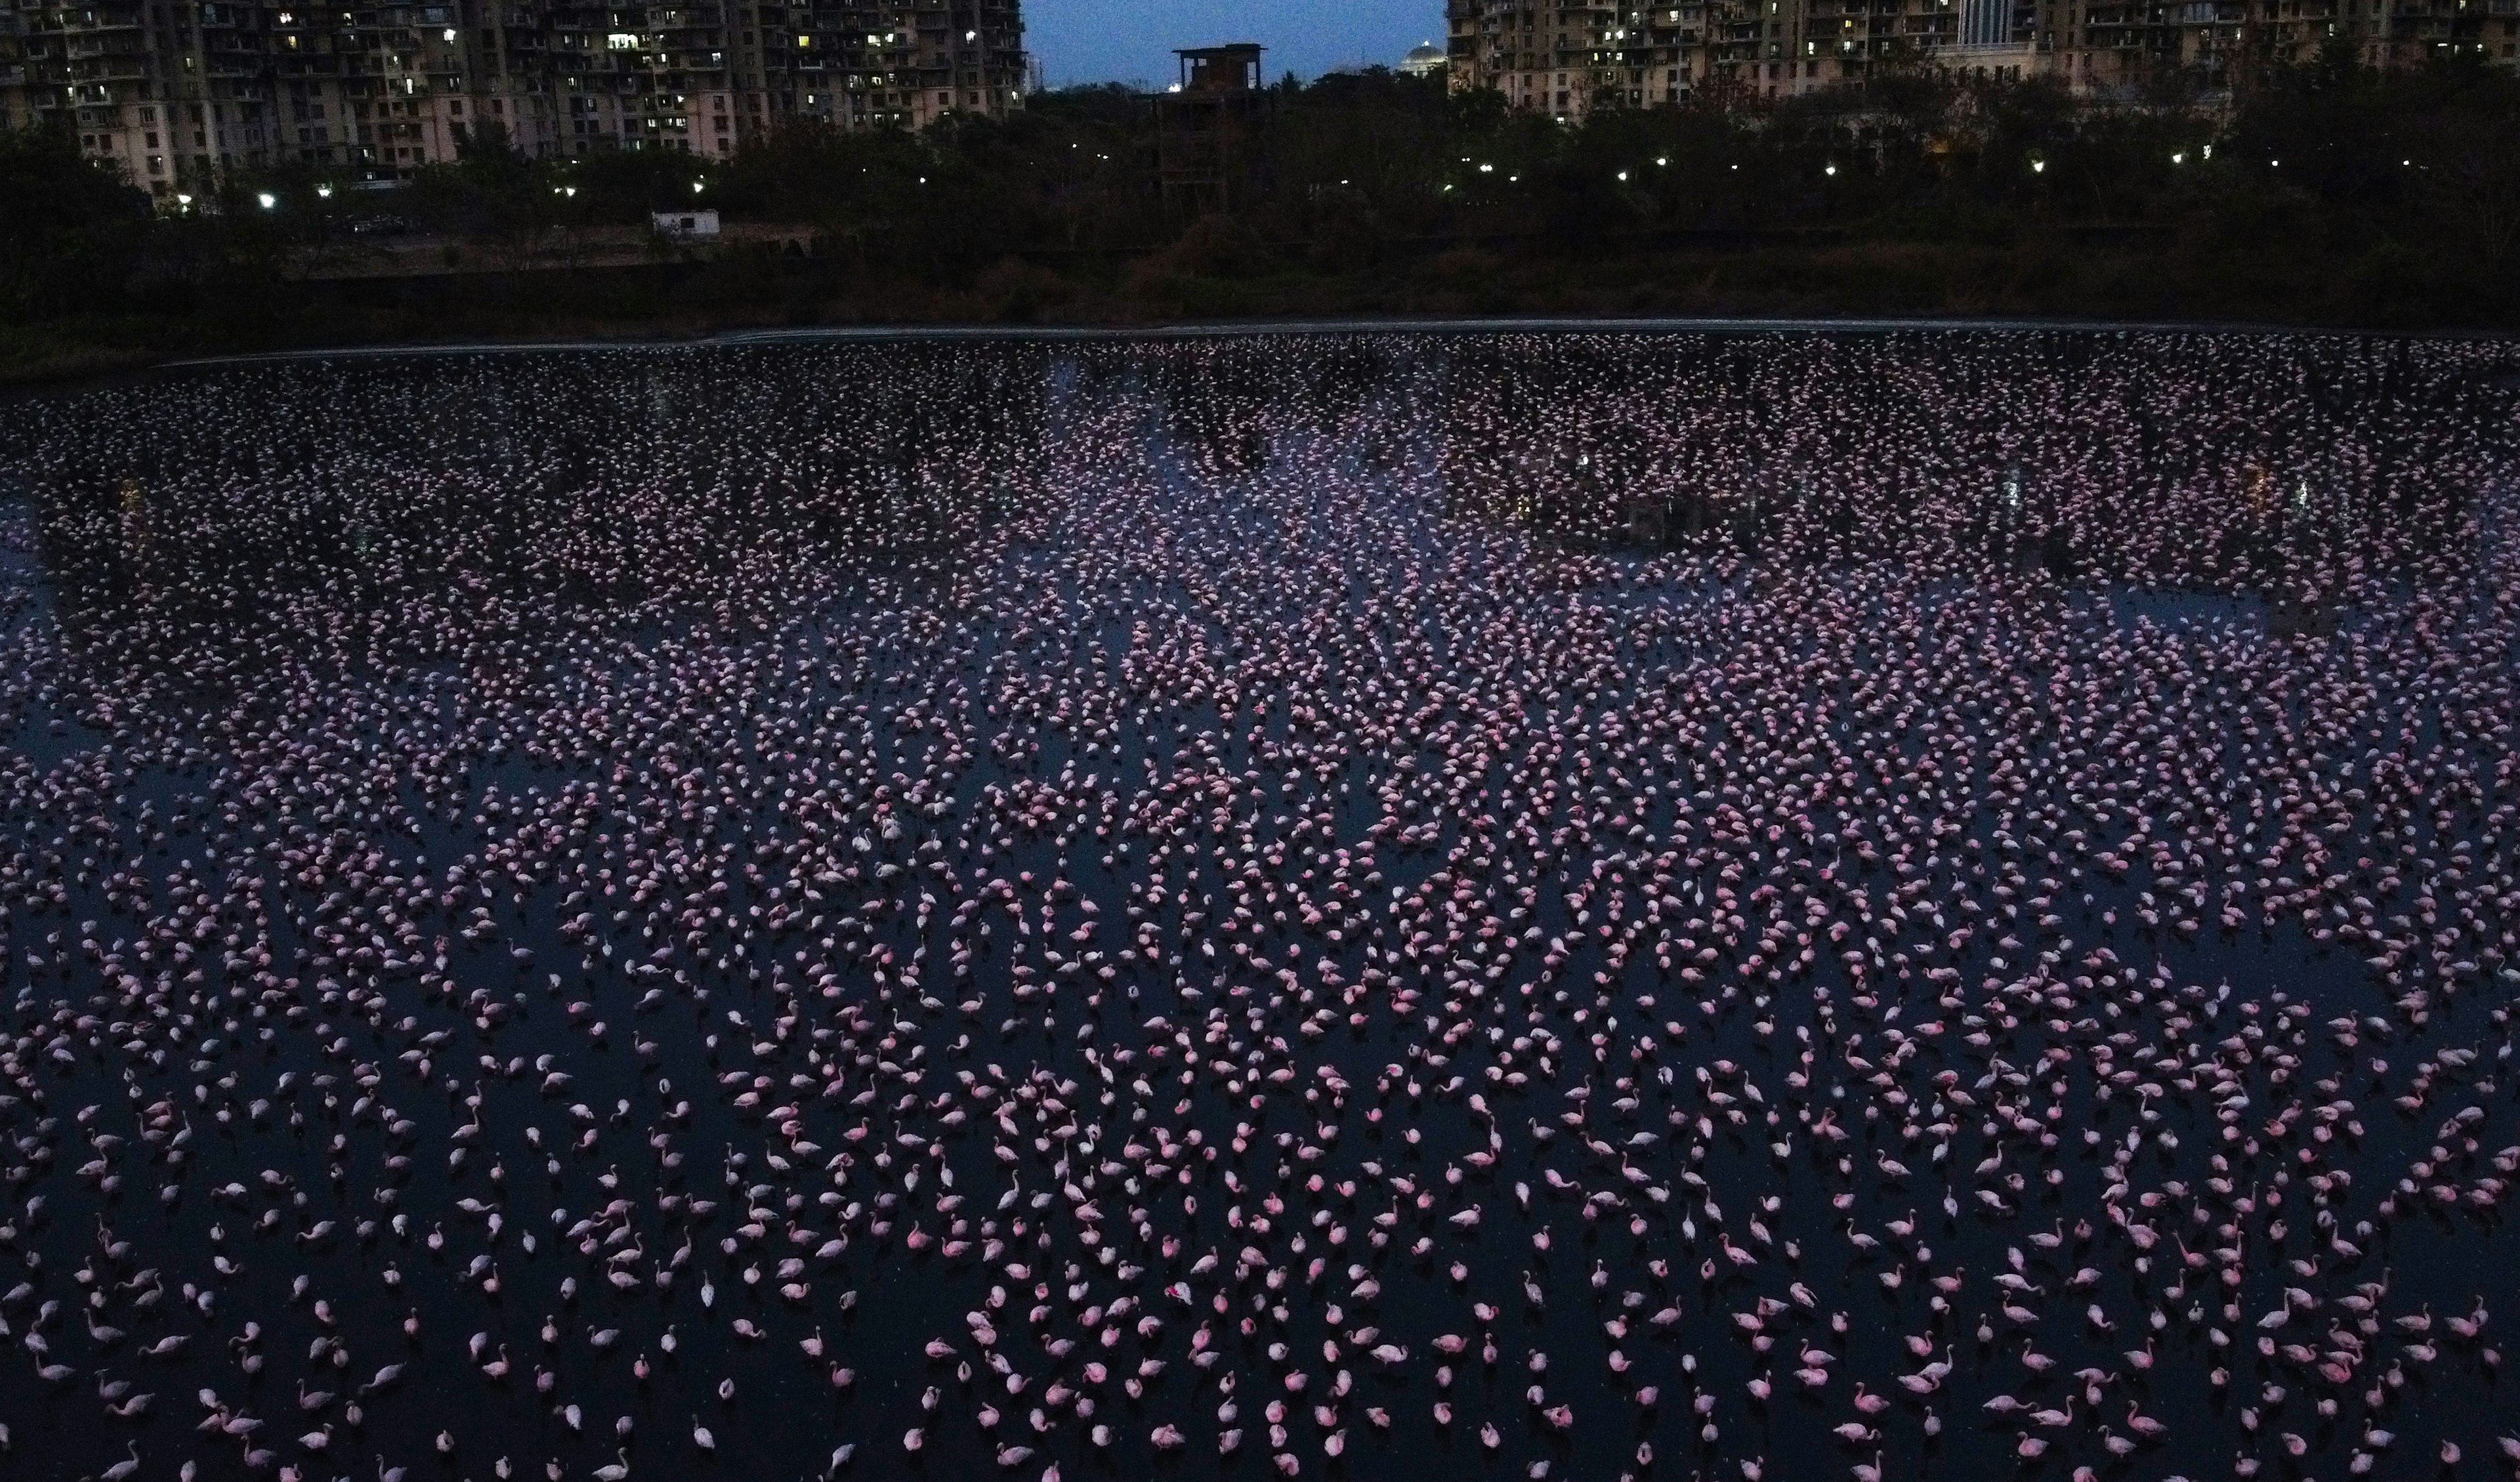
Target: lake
1383	905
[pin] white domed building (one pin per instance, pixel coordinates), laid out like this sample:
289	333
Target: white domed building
1424	61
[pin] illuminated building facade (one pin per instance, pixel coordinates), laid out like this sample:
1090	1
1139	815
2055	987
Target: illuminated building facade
178	93
1566	58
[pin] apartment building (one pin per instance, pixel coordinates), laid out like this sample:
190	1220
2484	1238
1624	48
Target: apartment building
178	93
1564	58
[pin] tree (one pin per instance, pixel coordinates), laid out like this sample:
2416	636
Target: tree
2471	151
72	233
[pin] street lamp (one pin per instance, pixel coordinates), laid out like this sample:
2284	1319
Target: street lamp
267	200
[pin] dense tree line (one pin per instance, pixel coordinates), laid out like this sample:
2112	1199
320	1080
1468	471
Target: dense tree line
2325	191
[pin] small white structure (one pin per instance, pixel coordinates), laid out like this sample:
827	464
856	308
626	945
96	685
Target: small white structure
686	226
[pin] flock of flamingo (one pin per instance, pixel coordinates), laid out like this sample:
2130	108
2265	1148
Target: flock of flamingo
1606	906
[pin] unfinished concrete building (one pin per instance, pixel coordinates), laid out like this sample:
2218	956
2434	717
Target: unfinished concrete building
1211	130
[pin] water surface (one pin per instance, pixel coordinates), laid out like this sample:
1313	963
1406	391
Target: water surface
1790	819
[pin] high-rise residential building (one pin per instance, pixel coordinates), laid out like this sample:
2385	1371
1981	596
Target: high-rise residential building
1564	57
179	93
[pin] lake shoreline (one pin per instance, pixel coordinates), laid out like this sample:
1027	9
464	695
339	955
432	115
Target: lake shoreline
760	296
68	364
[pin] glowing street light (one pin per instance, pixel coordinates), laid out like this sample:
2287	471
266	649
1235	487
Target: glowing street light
267	200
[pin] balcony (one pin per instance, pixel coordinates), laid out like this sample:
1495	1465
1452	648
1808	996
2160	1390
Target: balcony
112	69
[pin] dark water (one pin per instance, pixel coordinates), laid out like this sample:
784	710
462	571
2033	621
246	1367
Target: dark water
329	689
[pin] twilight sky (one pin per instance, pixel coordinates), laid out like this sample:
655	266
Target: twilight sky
1133	40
